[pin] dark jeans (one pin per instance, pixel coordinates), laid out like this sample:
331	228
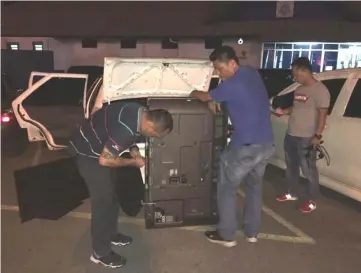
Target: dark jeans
104	203
298	156
242	164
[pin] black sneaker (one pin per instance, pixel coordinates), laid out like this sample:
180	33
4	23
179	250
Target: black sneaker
112	260
214	237
121	240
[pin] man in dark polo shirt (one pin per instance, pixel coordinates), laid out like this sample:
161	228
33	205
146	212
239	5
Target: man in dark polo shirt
97	147
245	159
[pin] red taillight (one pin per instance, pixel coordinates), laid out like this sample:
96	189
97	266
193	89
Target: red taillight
5	119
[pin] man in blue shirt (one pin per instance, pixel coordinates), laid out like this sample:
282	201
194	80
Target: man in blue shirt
245	159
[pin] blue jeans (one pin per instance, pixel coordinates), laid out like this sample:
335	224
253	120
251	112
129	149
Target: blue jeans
242	164
298	156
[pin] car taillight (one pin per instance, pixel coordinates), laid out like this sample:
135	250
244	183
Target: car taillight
5	118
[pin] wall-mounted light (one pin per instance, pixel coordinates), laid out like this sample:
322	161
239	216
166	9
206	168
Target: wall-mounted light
240	41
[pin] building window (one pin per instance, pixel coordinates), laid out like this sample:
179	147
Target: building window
169	43
128	43
89	43
38	46
13	46
323	56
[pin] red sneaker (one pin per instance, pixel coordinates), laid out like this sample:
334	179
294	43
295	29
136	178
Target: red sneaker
286	197
308	206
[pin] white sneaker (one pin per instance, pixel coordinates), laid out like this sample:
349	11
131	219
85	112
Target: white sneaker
252	239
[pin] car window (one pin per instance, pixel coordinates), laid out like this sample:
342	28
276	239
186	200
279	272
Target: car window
283	101
57	92
214	83
334	86
276	80
353	109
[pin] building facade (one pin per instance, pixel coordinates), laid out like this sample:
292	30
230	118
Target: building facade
92	52
272	55
323	56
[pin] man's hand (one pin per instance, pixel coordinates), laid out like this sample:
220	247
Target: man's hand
279	112
108	159
215	107
139	161
315	142
134	151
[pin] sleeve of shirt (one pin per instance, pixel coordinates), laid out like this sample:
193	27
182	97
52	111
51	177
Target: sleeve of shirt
322	97
223	92
119	141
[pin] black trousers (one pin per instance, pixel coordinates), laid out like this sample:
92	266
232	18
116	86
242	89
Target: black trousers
104	202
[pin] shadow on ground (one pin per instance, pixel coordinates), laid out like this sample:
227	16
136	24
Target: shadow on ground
49	191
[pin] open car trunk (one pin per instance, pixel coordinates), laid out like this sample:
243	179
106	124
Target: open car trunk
181	170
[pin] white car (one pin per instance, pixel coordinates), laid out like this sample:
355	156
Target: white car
144	78
342	135
50	115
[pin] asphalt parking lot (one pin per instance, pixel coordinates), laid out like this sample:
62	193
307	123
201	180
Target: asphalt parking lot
327	240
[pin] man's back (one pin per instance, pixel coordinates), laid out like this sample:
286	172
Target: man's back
115	125
248	108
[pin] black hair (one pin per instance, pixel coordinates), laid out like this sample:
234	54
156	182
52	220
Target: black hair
162	120
302	63
224	54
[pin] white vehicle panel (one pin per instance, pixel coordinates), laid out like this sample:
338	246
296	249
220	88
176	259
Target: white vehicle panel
136	78
36	130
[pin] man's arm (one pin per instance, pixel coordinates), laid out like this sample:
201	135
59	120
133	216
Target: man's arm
118	141
108	159
219	94
322	117
322	100
200	95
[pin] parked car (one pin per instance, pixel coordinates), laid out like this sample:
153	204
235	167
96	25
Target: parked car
342	134
14	140
136	82
176	190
